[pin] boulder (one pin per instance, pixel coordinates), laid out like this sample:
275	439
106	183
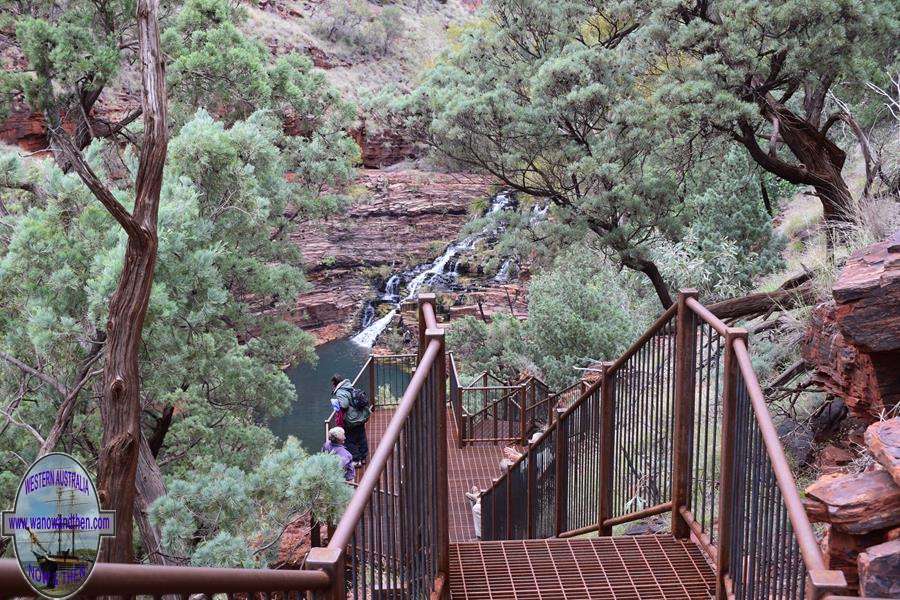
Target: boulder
832	459
797	438
853	343
855	504
879	571
883	441
842	552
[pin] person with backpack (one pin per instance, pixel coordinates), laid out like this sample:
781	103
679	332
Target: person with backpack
354	406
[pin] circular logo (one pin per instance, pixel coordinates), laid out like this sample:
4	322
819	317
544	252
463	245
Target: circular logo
56	525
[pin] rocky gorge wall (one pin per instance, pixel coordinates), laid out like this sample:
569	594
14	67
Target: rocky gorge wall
402	218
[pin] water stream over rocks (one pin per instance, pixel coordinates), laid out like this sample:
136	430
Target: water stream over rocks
439	273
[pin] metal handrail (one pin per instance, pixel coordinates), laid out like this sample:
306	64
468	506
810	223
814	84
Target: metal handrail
809	546
392	529
130	580
733	347
366	487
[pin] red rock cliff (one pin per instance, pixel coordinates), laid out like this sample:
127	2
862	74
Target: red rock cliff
854	342
404	219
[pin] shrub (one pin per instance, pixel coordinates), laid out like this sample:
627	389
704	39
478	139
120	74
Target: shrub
355	24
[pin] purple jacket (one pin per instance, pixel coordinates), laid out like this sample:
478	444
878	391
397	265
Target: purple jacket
345	456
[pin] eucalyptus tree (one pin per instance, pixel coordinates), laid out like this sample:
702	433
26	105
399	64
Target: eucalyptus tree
78	286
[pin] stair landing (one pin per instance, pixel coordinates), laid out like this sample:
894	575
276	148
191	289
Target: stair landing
632	567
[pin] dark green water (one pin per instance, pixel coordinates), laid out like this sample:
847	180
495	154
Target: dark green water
305	419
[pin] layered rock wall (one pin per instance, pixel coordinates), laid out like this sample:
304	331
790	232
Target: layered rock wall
402	219
853	343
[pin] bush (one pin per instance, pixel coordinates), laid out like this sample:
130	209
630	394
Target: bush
729	241
579	311
361	28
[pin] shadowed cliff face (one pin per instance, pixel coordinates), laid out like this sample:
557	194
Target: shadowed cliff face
404	219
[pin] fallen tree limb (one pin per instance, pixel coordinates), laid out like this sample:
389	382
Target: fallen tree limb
757	304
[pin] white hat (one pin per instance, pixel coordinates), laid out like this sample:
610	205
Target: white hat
336	433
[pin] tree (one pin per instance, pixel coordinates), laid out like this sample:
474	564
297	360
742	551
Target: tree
763	75
227	516
65	54
48	44
579	310
228	267
215	337
544	97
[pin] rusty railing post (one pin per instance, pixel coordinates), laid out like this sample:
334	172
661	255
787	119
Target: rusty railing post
726	480
442	478
373	387
822	583
331	561
422	326
508	511
530	489
561	471
607	414
685	339
523	423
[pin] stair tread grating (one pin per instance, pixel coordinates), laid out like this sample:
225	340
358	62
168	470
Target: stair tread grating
616	568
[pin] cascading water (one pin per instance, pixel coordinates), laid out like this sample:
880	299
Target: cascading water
502	275
426	274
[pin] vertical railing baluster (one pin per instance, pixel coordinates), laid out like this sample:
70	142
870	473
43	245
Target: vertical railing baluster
684	408
440	439
726	472
561	468
523	422
606	413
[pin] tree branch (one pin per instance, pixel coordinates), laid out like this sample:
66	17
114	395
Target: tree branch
64	414
55	384
90	179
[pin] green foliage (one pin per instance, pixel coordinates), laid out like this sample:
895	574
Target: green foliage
214	343
228	516
729	243
580	310
617	111
216	67
76	50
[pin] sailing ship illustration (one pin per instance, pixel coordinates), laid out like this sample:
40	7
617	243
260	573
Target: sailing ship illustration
65	560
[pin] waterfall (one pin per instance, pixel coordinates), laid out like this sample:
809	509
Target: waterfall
392	288
502	275
423	275
368	315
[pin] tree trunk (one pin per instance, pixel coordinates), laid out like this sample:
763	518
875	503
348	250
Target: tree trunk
120	404
148	487
649	268
821	160
757	304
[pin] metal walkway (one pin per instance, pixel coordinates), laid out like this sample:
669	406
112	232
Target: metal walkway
471	465
633	567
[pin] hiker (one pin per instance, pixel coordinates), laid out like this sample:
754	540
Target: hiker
511	455
354	405
474	499
335	445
